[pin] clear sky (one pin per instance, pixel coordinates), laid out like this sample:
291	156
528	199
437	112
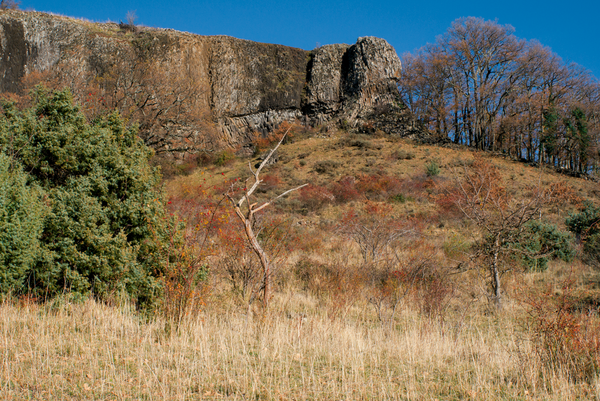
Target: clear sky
570	28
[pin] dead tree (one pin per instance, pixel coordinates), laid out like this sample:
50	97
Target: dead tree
247	218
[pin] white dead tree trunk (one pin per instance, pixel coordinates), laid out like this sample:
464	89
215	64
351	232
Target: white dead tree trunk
247	217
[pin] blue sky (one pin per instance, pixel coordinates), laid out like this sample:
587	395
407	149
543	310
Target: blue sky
570	28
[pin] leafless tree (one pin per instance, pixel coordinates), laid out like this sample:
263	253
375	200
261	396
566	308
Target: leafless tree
375	230
482	199
9	5
247	216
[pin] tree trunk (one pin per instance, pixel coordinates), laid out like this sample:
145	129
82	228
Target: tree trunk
264	261
496	276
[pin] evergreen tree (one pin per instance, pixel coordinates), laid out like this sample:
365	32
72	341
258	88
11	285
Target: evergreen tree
549	139
105	209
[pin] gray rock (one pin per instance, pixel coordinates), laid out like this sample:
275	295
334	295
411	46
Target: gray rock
250	86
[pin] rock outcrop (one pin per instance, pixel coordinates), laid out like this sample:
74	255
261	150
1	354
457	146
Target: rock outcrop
249	86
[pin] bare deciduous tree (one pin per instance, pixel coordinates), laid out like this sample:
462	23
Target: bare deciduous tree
9	5
481	86
481	197
375	230
247	216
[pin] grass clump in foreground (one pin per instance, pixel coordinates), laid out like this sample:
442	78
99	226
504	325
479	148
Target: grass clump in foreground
92	351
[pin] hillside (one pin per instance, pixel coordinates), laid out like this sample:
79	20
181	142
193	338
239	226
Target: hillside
337	326
310	242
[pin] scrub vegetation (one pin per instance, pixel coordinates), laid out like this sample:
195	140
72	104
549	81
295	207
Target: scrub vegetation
386	267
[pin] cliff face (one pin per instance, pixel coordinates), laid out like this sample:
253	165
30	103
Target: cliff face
249	86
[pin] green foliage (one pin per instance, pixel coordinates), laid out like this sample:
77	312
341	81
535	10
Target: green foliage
540	242
105	210
586	224
22	213
223	158
591	249
456	247
577	130
549	140
432	169
399	198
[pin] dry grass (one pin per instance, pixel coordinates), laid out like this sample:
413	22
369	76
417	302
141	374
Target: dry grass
303	348
92	351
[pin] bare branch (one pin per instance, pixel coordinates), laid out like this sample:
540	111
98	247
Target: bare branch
277	197
249	218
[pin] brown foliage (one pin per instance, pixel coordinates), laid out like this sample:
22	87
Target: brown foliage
263	142
415	274
339	282
482	198
9	5
481	86
378	186
566	340
316	196
375	230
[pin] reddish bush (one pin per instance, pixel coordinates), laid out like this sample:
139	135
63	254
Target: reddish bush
566	339
375	230
345	190
267	141
378	186
269	182
316	196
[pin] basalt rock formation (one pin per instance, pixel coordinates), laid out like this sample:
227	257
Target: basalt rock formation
249	86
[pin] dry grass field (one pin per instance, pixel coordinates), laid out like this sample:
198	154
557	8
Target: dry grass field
330	332
92	351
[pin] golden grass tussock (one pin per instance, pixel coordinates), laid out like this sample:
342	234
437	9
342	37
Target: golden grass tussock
92	351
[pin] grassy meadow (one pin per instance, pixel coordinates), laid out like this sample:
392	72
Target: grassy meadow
337	327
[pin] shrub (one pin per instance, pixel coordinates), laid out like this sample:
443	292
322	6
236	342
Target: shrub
338	281
326	166
315	196
345	190
105	209
432	169
591	249
401	154
400	198
224	158
566	341
375	230
456	247
269	183
265	142
379	186
586	224
546	241
22	213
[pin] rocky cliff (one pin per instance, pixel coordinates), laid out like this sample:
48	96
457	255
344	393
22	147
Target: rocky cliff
249	86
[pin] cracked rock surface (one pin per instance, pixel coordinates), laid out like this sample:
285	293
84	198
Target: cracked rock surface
250	86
